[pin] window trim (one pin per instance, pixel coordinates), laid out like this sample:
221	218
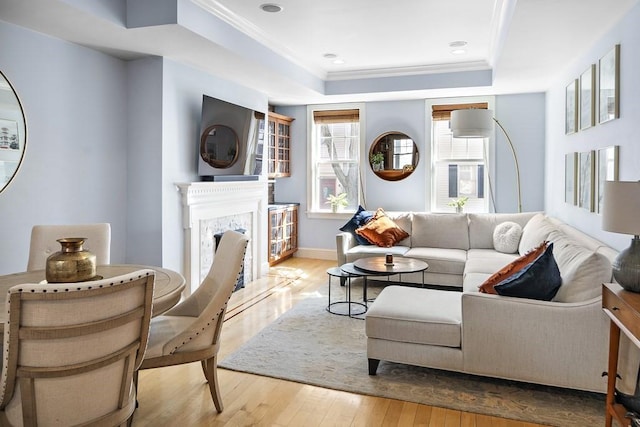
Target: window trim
430	200
310	160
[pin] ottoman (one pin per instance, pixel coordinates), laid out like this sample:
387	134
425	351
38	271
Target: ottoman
415	325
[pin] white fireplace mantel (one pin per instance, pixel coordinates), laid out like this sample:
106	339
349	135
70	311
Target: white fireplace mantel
236	201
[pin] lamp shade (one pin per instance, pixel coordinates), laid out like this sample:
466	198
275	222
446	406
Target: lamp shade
621	207
471	123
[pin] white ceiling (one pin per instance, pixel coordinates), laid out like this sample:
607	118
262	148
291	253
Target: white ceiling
524	42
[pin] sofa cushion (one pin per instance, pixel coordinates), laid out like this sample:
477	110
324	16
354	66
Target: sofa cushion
583	270
414	315
506	237
535	232
381	230
538	280
403	220
447	261
358	219
488	262
512	268
481	226
448	231
472	281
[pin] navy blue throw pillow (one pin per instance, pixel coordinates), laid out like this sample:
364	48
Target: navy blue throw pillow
358	219
539	280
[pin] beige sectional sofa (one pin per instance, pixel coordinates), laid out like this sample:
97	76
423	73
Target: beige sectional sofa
563	342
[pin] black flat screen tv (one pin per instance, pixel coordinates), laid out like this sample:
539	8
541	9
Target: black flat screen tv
231	141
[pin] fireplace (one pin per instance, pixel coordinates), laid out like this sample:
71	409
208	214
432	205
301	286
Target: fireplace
210	208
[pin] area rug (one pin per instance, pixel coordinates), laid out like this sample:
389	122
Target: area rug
311	346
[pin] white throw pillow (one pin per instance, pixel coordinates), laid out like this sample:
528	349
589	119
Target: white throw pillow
506	237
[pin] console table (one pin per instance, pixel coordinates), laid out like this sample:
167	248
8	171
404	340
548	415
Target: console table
623	308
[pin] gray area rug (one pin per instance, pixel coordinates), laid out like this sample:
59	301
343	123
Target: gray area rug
309	345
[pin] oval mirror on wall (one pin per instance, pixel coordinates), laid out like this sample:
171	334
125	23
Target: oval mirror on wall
393	156
13	132
219	146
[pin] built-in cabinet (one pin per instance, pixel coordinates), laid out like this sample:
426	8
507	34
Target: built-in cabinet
283	231
279	146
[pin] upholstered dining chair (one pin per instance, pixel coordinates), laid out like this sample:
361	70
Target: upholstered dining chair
190	332
44	242
71	350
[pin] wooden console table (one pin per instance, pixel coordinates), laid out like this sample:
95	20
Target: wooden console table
623	308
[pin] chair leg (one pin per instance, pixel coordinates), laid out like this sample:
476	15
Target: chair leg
210	367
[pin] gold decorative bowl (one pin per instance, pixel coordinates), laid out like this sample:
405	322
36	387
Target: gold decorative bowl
72	263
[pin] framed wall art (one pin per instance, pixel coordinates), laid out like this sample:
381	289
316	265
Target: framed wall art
606	170
570	178
609	85
587	100
585	179
571	108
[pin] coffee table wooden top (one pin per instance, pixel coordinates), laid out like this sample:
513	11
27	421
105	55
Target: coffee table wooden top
400	265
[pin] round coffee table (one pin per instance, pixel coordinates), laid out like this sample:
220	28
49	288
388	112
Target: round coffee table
377	265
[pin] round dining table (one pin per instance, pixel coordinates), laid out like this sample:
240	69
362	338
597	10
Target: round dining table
166	293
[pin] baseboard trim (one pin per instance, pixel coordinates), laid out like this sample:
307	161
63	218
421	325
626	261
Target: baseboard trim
327	254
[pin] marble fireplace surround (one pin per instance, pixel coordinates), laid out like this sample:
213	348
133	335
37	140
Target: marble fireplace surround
213	207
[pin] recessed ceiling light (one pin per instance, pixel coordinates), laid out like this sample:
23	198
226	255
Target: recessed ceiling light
338	61
330	55
271	7
458	51
458	44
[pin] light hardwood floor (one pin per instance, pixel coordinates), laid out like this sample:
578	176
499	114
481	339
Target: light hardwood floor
179	396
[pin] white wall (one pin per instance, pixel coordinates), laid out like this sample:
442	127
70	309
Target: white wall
74	169
622	132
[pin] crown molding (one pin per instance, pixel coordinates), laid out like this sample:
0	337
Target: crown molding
408	71
243	25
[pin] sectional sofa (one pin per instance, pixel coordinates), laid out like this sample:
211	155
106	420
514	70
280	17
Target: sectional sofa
450	325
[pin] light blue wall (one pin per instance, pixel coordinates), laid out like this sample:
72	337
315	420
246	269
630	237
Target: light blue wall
182	90
523	118
622	132
74	169
107	141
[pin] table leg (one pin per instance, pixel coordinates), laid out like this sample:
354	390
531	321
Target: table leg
364	292
614	343
329	303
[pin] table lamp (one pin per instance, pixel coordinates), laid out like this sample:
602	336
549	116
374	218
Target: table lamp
478	123
621	214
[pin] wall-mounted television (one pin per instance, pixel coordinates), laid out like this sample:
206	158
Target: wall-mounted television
231	141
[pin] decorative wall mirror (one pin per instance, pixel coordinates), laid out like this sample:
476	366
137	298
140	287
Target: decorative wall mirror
219	146
13	132
393	156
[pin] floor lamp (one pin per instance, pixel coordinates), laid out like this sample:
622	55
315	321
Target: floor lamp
478	123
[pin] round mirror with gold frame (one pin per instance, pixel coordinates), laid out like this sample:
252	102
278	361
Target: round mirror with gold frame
393	156
219	146
13	132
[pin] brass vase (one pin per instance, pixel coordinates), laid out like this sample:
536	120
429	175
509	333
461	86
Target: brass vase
72	263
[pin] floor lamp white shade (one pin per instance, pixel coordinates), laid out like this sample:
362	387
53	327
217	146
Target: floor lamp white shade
478	123
621	214
472	123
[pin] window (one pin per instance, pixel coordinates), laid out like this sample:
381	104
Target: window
459	166
334	157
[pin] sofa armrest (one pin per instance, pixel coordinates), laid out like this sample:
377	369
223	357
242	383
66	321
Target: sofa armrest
561	344
344	242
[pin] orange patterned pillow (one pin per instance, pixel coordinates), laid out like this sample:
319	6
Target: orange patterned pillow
381	230
512	268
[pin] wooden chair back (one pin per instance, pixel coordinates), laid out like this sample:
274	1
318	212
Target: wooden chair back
71	350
